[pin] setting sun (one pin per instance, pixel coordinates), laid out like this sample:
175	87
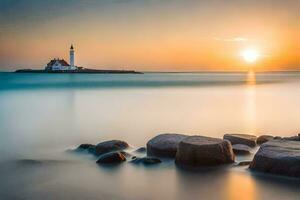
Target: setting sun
250	55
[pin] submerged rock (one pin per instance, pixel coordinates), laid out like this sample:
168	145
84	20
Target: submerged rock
145	160
244	163
126	154
278	157
110	146
263	139
164	145
141	150
111	158
249	140
196	151
241	149
86	148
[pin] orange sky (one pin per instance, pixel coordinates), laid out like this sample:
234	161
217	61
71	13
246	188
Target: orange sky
151	35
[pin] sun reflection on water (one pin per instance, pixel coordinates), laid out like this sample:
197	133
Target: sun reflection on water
251	79
240	186
250	102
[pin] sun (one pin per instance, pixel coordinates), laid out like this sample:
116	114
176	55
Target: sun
250	55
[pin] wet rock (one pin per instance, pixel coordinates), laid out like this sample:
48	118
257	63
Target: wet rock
145	160
196	151
110	146
278	157
249	140
241	149
111	158
164	145
244	163
86	148
141	150
263	139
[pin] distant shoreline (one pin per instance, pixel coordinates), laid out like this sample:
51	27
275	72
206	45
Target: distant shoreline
106	71
78	71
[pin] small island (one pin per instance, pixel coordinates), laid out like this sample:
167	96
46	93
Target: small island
57	65
79	70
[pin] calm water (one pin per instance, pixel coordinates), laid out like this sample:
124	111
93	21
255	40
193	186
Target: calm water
42	115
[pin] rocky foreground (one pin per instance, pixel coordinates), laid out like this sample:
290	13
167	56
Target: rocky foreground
276	155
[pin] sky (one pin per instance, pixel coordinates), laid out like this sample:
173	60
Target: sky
151	35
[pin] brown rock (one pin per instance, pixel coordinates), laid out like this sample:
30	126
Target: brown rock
110	146
111	158
249	140
278	157
263	139
164	145
196	151
241	149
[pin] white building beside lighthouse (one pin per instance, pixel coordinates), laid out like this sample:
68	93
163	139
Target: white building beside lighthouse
57	64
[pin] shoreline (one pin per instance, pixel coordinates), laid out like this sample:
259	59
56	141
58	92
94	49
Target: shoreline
78	71
106	71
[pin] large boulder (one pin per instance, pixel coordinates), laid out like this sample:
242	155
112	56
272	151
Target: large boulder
164	145
263	139
111	158
241	149
249	140
278	157
110	146
196	151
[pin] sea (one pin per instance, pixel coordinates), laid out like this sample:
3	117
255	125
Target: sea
44	116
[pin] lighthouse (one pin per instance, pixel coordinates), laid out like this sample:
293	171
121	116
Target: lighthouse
72	57
57	64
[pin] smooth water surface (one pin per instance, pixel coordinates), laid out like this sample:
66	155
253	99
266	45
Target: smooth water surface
42	115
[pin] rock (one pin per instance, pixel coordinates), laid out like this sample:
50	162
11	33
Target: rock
126	154
141	150
146	160
244	163
164	145
278	157
110	146
249	140
86	147
293	138
111	158
240	149
263	139
196	151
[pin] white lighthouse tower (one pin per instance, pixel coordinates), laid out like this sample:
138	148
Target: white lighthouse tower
72	58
